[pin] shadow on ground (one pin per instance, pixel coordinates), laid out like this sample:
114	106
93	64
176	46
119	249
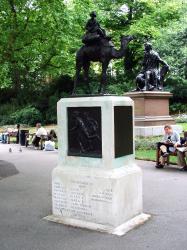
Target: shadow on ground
7	169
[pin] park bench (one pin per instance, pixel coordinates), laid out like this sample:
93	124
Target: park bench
11	135
18	135
158	152
30	136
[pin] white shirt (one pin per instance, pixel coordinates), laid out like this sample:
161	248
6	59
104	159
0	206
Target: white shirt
41	131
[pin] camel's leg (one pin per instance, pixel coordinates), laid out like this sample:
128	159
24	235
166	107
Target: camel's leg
103	83
78	70
86	78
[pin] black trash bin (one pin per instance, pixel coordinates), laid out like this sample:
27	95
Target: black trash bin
22	136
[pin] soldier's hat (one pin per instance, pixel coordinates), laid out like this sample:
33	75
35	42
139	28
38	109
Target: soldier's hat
93	14
148	45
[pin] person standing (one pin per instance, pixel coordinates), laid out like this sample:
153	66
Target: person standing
18	133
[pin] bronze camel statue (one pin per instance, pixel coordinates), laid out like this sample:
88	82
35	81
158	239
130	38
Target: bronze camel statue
102	52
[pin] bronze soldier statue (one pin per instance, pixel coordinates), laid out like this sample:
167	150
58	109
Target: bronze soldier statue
94	32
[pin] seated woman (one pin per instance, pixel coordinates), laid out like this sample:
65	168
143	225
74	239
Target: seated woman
52	135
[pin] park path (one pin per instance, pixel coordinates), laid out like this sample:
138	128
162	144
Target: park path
25	198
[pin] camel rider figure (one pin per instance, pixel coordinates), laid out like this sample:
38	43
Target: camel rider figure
94	32
151	76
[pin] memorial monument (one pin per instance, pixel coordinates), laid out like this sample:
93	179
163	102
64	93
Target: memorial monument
97	184
150	100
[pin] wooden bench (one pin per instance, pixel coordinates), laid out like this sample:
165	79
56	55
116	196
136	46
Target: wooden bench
41	143
11	135
158	153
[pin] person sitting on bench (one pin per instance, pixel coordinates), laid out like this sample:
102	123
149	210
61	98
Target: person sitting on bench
182	153
40	132
52	135
169	144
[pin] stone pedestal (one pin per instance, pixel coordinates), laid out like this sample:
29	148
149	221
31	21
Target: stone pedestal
97	184
151	112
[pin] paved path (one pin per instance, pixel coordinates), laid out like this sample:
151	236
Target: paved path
25	198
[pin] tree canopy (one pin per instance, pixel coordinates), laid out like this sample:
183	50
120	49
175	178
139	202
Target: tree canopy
39	39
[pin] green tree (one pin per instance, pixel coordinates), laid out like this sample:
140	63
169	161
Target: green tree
39	39
31	43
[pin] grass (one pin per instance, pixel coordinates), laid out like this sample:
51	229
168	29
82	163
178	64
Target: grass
150	155
184	125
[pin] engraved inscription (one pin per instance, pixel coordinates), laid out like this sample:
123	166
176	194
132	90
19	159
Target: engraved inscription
78	199
103	196
59	196
71	200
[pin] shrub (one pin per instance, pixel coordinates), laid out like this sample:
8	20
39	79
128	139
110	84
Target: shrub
181	118
178	108
27	115
146	143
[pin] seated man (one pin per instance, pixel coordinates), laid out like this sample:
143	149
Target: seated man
169	144
5	135
40	131
151	76
182	154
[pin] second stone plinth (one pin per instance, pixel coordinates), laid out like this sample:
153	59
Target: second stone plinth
151	108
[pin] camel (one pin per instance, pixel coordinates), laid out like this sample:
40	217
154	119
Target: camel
102	52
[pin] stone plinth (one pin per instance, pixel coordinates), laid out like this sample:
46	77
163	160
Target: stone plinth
97	184
152	112
151	108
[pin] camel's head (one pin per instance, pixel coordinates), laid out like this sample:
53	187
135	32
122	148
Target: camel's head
126	39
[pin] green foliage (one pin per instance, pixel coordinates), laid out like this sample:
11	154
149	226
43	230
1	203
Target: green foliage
178	108
184	126
151	155
8	107
172	45
39	40
42	37
143	143
181	119
28	115
145	154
